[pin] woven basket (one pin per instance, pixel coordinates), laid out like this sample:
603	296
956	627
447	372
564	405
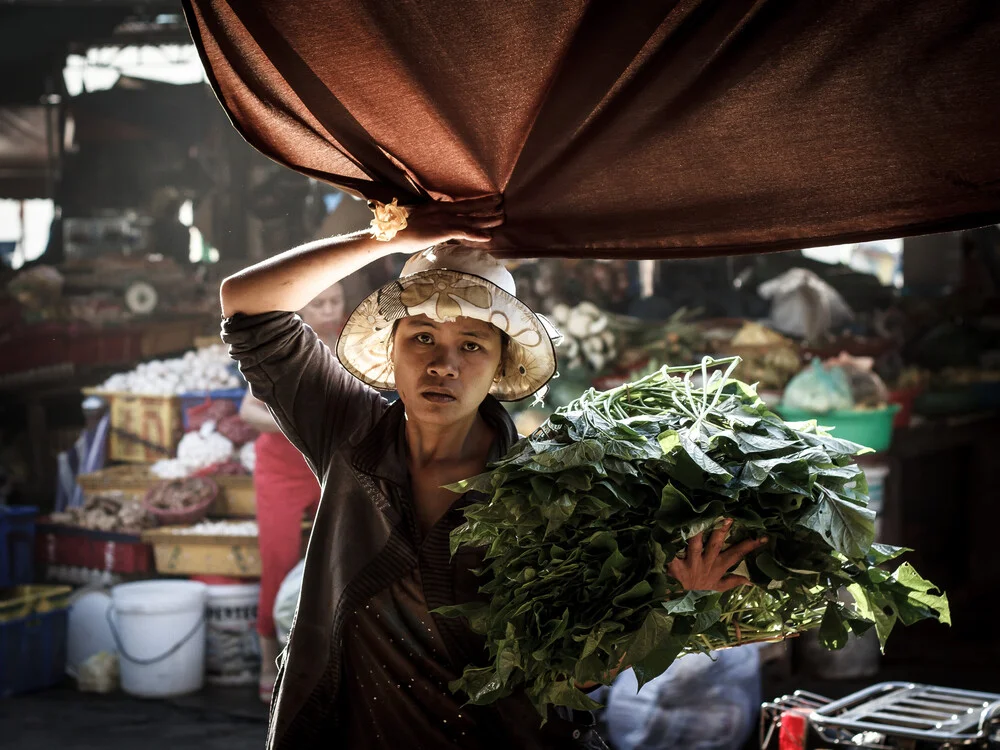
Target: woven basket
185	517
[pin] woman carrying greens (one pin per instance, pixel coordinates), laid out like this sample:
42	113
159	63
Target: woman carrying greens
368	662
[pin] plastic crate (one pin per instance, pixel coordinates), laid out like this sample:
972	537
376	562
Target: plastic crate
17	541
33	625
202	555
197	398
132	480
104	551
144	429
237	497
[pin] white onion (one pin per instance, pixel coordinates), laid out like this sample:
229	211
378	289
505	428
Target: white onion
220	528
170	468
248	457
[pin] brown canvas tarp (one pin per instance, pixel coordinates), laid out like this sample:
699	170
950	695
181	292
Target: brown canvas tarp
620	128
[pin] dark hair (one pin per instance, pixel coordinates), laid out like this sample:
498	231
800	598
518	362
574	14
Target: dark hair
504	346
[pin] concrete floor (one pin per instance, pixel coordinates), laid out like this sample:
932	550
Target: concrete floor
216	719
233	718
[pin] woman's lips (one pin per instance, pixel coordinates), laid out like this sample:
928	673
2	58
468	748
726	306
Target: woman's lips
438	398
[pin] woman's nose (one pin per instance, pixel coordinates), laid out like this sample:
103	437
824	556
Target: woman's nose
443	366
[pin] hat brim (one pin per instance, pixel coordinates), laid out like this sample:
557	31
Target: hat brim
444	296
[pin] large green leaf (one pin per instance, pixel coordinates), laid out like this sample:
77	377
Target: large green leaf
881	553
874	607
833	631
564	693
915	601
848	528
654	647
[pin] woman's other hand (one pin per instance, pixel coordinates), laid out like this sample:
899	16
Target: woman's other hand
706	567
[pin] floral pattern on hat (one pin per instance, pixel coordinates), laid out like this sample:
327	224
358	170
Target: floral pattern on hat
449	295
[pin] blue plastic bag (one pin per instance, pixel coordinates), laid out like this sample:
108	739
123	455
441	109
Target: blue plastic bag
819	390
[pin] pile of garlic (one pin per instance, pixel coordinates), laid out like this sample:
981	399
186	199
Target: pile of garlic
202	369
197	450
587	336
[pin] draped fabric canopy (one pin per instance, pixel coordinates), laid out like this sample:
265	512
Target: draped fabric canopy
631	128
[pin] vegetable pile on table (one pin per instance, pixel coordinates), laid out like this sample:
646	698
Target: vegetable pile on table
180	494
107	511
580	520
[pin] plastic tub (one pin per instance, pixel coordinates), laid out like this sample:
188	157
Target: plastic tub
159	631
233	651
871	428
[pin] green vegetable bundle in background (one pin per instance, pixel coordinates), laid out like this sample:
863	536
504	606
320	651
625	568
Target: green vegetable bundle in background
582	518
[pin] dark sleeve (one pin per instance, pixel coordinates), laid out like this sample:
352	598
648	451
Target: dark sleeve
314	400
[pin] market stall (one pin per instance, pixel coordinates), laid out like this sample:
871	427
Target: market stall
174	499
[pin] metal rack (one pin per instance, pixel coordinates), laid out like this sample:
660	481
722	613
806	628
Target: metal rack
799	703
891	712
887	716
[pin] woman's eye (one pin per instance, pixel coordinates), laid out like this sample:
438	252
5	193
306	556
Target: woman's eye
471	346
424	338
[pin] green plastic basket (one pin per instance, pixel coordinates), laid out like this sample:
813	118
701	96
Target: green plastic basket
871	428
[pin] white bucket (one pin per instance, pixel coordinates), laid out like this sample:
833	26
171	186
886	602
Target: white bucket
876	475
159	627
88	631
233	651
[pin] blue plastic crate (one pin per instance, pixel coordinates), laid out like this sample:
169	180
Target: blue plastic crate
196	398
17	545
33	646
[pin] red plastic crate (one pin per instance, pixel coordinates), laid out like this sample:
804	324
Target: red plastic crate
95	550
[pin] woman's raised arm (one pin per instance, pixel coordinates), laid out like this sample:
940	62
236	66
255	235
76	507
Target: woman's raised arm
291	280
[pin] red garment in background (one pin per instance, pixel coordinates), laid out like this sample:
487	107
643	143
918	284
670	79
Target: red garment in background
286	489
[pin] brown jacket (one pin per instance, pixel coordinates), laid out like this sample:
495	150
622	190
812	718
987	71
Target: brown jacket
354	441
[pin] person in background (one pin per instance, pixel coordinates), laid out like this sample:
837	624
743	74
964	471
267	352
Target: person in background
168	235
700	703
286	490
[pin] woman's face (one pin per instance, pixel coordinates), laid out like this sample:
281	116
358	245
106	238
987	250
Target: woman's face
325	314
444	370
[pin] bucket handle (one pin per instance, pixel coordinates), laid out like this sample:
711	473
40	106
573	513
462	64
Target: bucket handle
157	659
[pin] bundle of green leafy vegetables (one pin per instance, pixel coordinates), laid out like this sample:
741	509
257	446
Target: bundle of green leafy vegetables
581	519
